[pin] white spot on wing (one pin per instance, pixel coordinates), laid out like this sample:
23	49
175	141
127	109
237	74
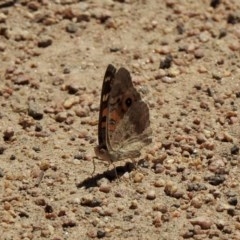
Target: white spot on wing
107	79
105	97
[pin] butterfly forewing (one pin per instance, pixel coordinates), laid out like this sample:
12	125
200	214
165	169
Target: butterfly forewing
103	112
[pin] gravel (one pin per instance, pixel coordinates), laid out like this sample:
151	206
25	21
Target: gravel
183	59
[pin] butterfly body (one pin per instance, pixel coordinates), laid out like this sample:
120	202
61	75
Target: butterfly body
124	125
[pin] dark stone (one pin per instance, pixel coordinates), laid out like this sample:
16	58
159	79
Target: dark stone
166	63
101	234
215	180
234	150
215	3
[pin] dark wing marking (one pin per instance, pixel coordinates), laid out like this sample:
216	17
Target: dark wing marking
103	112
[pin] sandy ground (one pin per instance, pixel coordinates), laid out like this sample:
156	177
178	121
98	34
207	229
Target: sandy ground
184	59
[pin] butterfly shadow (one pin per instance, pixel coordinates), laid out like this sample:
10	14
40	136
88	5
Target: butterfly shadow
111	175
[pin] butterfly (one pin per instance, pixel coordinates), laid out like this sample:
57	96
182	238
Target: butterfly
124	124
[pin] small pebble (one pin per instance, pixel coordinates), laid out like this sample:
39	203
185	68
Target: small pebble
160	159
66	70
44	42
171	189
202	221
159	168
33	5
233	201
188	234
215	3
202	69
204	36
163	49
227	137
234	150
101	234
134	204
234	45
102	181
12	157
199	53
151	195
69	223
215	180
40	202
106	188
90	201
201	138
72	88
173	72
2	47
82	111
8	134
160	207
101	14
209	145
197	202
160	73
216	75
168	80
76	201
120	207
61	117
22	79
120	193
157	221
72	28
166	62
3	17
35	111
68	103
138	177
196	187
217	166
159	183
44	165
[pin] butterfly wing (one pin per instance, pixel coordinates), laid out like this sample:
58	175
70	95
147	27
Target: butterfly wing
128	124
103	112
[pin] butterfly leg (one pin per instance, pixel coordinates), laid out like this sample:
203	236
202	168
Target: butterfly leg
94	167
115	170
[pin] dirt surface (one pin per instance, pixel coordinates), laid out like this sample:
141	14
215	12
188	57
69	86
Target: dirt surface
184	59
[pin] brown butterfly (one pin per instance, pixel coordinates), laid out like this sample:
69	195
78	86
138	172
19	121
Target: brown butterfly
124	125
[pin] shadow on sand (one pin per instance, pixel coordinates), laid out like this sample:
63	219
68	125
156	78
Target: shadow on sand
111	175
